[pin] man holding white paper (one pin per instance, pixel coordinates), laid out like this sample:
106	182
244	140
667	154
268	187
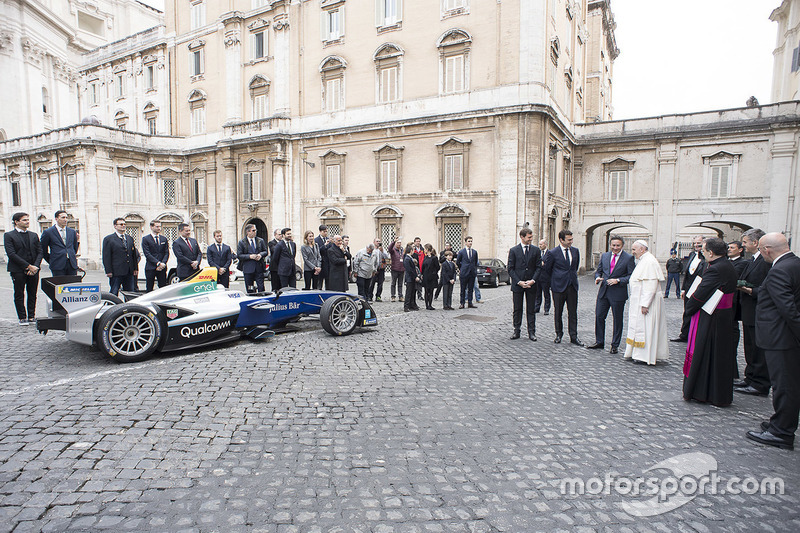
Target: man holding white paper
695	264
647	324
711	350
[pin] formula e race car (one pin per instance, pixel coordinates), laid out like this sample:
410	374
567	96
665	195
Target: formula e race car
195	312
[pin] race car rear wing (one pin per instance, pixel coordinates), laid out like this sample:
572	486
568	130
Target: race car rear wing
67	295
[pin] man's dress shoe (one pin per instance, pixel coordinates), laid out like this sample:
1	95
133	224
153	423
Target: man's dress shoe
557	340
461	306
532	336
595	346
740	383
765	437
613	350
679	339
577	342
472	306
750	390
515	335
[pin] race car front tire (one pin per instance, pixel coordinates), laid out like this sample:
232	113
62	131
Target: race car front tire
129	332
339	315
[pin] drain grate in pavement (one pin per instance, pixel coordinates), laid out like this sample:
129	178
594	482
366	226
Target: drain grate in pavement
476	318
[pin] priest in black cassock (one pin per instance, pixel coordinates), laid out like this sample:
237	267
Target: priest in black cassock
711	349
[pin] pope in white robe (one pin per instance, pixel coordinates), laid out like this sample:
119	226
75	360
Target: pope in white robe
647	324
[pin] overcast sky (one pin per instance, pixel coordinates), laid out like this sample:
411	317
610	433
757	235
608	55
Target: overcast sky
687	55
691	55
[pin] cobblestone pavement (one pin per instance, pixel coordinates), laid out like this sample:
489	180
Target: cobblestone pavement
429	422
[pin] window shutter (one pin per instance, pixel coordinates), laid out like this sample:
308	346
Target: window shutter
458	172
399	8
246	189
323	26
795	57
72	188
256	177
340	14
380	12
612	178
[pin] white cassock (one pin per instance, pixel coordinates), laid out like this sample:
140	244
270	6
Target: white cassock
647	334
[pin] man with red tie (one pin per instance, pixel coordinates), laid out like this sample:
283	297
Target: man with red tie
612	275
187	252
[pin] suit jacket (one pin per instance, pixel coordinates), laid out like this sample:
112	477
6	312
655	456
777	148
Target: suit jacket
430	271
185	256
688	277
337	270
739	264
155	252
273	266
562	274
284	255
323	252
778	309
623	269
120	259
219	259
544	275
251	266
522	269
467	267
58	254
755	272
448	272
411	268
23	249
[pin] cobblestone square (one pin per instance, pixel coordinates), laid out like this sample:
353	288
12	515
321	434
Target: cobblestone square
425	423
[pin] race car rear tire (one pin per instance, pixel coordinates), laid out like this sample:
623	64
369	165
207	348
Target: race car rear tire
108	297
339	315
129	332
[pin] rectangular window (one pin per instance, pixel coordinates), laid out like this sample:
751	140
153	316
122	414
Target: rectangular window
388	12
69	189
389	176
332	24
388	85
198	120
44	190
720	182
567	184
454	74
16	195
796	59
198	13
252	186
333	180
196	66
130	189
259	45
94	93
150	77
618	184
152	128
454	172
199	191
120	85
454	4
552	176
333	94
170	192
259	3
260	106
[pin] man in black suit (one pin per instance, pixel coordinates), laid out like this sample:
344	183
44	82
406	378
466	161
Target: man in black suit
543	283
467	263
274	279
612	274
219	256
251	252
562	266
323	242
155	248
187	252
735	251
284	255
60	246
778	333
24	260
120	259
756	375
524	262
695	265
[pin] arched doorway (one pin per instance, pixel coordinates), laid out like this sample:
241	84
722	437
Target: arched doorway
598	235
261	228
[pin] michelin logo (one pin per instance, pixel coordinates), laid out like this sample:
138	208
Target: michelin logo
189	332
80	289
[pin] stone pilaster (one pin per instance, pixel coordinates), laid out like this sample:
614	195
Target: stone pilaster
233	66
282	61
663	229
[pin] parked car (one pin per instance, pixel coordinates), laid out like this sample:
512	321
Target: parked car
492	272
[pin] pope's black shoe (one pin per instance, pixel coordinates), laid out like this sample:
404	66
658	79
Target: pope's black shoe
765	437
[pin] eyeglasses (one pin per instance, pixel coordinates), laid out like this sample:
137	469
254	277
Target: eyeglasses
765	247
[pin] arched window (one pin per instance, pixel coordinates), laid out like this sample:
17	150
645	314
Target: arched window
259	97
332	73
333	217
454	46
45	101
452	223
197	108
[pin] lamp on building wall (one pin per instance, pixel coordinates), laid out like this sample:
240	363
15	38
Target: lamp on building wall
303	156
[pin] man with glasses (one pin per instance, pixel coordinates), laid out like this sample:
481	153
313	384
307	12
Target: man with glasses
120	259
251	252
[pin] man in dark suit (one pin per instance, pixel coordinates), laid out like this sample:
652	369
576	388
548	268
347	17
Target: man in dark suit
543	282
251	252
219	256
60	246
120	259
524	262
735	251
24	260
284	255
274	279
778	333
467	263
695	265
187	252
323	242
613	274
155	248
756	375
562	265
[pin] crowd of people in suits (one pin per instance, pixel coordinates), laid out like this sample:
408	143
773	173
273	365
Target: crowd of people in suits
719	288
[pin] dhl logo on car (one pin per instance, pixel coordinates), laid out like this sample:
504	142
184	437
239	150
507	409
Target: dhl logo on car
207	274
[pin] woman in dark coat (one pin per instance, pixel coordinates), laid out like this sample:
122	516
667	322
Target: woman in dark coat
430	275
711	351
337	269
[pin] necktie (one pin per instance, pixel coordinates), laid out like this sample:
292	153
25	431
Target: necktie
252	246
63	232
469	255
568	256
189	244
526	251
219	248
613	261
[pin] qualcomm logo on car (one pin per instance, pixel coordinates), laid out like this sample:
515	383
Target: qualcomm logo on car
189	332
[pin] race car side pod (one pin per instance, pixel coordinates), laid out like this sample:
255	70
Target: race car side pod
259	333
